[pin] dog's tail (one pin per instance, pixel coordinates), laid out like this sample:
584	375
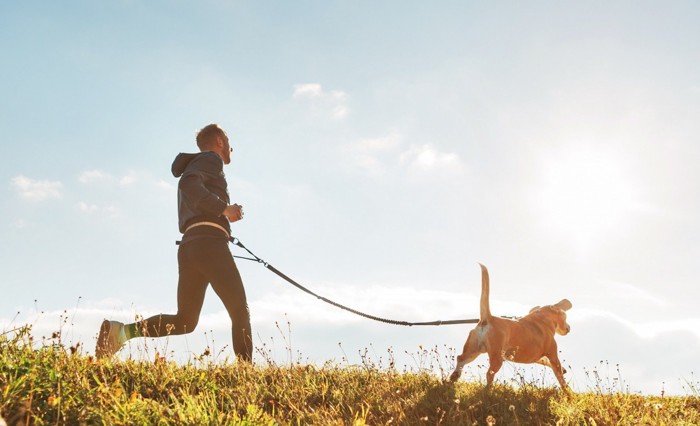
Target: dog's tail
485	309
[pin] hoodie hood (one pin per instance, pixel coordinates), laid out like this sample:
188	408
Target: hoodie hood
181	162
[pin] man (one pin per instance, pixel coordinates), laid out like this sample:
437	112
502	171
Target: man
204	211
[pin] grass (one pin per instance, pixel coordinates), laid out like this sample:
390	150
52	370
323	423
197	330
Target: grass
49	383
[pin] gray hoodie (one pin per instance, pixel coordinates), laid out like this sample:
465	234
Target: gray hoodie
202	193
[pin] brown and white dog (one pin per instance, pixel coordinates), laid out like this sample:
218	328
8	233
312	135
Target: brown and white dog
526	340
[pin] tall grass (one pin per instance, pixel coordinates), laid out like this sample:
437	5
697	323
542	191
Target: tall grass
51	383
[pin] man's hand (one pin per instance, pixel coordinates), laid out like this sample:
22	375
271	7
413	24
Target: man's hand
233	213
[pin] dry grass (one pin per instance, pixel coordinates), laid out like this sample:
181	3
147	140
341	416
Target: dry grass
49	383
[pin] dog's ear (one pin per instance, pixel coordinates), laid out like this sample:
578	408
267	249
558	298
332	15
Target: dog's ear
534	309
564	305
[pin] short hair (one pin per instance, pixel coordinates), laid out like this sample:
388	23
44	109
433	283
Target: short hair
208	134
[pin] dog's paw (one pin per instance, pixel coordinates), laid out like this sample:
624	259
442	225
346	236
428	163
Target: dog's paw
455	376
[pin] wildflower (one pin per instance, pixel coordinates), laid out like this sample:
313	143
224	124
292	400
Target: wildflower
54	401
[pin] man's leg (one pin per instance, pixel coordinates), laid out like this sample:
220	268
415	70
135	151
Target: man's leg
226	282
191	288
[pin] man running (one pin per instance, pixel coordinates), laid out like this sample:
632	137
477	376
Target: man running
204	212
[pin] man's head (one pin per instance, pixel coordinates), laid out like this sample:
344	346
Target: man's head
213	138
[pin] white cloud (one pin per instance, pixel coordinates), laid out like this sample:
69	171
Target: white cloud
103	191
37	190
20	223
627	292
381	144
310	90
87	208
161	184
333	103
109	210
89	176
340	111
369	154
376	155
125	180
652	328
644	351
426	157
93	176
128	179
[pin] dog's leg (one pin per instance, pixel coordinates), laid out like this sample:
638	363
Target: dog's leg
558	370
469	353
545	361
495	364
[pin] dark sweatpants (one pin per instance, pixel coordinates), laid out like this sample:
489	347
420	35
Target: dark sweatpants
201	262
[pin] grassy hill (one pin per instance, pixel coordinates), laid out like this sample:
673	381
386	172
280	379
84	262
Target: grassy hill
54	384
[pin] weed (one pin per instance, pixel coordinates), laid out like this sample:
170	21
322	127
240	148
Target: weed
46	382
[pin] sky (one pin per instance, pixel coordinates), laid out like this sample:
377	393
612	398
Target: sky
381	150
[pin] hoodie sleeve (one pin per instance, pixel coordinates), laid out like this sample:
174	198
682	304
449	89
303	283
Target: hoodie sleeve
202	169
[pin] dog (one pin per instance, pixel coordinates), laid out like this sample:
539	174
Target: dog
529	339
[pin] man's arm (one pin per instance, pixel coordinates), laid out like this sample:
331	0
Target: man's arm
202	169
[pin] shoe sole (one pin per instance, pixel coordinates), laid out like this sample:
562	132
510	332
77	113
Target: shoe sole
102	349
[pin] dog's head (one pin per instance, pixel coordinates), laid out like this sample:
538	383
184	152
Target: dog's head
557	313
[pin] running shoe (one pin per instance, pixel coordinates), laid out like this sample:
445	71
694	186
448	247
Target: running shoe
111	338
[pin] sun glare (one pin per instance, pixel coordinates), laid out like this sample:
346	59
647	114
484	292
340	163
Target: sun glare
585	197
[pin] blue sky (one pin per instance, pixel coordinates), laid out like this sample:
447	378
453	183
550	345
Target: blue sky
381	150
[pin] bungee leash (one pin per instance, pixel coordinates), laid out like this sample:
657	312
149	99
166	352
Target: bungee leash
255	258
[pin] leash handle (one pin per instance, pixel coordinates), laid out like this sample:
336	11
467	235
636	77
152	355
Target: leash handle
238	242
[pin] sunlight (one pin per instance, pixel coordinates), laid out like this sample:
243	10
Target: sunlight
585	196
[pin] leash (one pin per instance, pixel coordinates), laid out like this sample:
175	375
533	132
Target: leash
255	258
